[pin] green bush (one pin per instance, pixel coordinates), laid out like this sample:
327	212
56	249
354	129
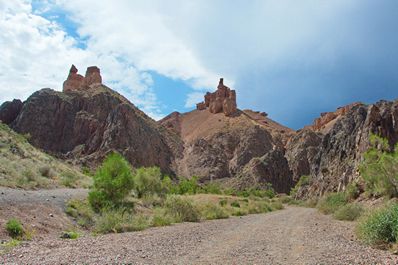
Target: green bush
188	186
352	191
331	202
120	220
211	188
259	207
161	218
69	179
70	235
267	192
212	211
349	212
303	181
113	181
223	202
380	226
14	228
379	168
182	209
235	204
148	181
81	211
276	205
240	212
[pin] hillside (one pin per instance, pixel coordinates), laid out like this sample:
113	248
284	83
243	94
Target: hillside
24	166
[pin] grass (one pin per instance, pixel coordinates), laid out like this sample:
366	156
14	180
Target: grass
173	209
349	212
24	166
14	228
7	246
380	226
331	202
70	235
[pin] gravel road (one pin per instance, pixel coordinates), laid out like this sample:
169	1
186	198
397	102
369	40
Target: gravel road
291	236
57	197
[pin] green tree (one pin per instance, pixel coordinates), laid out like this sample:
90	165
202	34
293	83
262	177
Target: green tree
113	181
379	168
148	181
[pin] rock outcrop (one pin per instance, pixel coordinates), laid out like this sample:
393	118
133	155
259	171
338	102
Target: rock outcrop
9	110
76	82
327	119
341	149
85	124
222	100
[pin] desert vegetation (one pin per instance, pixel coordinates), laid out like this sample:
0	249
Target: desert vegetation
125	199
24	166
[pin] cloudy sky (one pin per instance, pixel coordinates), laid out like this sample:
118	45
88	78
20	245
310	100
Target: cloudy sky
291	59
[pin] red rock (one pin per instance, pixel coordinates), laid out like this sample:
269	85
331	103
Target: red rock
76	82
222	100
93	76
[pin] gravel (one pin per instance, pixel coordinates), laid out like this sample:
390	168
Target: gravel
291	236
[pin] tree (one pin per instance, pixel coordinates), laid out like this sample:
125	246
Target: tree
113	181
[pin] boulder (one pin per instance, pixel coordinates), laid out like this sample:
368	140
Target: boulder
9	110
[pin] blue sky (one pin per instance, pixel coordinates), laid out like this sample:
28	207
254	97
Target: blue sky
291	59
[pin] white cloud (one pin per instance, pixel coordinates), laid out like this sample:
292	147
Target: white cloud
193	98
37	53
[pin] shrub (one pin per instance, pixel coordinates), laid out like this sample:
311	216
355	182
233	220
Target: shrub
81	211
380	226
70	235
113	181
352	191
235	204
14	228
349	212
331	202
212	211
160	218
147	181
303	181
68	179
223	202
379	168
267	192
211	188
182	209
259	207
120	220
168	186
276	205
239	212
46	171
188	186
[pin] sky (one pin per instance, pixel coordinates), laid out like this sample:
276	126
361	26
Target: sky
291	59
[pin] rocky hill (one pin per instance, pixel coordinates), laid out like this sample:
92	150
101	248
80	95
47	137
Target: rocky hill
217	141
88	119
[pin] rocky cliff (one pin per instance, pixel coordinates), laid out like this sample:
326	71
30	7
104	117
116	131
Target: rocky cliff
88	120
332	158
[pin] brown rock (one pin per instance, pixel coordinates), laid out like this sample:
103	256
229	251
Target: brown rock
93	76
222	100
9	110
201	106
74	81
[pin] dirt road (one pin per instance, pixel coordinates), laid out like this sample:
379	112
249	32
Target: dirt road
290	236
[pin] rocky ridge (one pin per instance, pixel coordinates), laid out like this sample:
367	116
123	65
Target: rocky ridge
217	141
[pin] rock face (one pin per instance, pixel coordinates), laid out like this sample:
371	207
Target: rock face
325	122
9	110
86	125
271	168
340	151
223	100
76	82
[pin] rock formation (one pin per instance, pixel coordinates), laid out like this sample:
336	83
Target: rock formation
86	126
9	110
222	100
327	117
76	82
